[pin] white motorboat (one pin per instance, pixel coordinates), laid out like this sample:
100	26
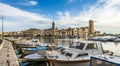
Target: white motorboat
104	38
78	54
36	56
30	43
117	40
104	60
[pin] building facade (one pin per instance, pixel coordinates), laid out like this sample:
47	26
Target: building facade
81	32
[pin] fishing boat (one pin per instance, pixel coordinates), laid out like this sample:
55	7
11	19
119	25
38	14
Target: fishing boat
39	55
30	43
117	40
78	54
27	51
104	60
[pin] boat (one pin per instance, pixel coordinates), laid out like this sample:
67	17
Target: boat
0	43
44	47
78	54
117	40
30	43
39	55
104	60
27	51
103	38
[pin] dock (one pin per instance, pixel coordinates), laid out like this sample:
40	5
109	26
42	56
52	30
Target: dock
7	54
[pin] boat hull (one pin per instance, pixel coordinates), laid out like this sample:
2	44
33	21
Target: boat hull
70	63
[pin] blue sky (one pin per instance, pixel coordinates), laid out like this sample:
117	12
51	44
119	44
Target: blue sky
24	14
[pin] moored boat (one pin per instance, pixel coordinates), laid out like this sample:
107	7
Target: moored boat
36	56
33	50
78	54
29	43
104	60
117	40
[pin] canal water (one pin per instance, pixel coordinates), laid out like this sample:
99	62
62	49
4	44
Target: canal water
111	46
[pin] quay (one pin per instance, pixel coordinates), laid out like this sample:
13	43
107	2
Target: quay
7	54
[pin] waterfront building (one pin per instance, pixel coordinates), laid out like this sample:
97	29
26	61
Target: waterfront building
76	32
80	32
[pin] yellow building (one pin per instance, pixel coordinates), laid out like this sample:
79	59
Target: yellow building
82	32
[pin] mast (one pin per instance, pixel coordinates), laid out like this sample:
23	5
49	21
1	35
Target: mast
2	28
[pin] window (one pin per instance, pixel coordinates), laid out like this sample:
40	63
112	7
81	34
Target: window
77	45
62	53
82	54
73	45
92	46
68	54
80	46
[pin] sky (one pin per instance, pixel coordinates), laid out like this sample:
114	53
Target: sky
24	14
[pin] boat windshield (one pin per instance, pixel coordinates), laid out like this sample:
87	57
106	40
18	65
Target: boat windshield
91	46
73	45
62	52
66	54
69	54
80	46
77	45
82	54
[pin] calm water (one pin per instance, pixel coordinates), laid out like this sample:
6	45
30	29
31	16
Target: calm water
112	46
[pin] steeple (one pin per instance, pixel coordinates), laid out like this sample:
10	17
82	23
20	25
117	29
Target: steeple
53	25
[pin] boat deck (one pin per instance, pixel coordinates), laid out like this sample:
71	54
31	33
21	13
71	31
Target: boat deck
104	60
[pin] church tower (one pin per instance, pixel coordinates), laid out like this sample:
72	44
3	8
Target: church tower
53	25
53	28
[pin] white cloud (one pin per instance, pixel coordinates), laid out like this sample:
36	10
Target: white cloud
106	13
69	1
18	19
63	15
66	20
33	2
28	3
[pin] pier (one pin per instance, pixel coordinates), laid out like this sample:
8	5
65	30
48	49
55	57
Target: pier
7	54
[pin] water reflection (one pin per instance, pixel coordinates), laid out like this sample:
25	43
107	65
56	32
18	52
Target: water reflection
112	46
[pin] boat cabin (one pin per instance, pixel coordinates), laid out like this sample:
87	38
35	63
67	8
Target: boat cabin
83	48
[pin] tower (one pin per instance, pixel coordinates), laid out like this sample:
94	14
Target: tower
91	27
53	28
53	25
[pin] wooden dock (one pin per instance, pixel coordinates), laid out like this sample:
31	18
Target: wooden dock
7	54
